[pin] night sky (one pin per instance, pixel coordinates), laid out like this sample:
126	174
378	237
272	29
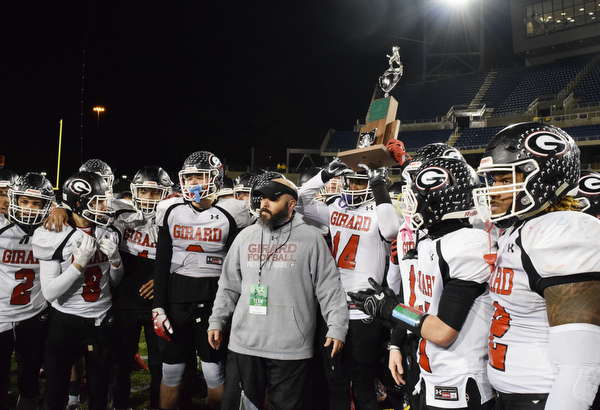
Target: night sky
181	76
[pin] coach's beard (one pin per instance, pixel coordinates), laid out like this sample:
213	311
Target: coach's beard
275	221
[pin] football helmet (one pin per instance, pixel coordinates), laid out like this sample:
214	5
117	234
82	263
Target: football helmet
259	182
588	193
101	168
355	197
243	185
209	168
436	149
545	155
308	174
7	178
395	190
226	187
442	190
147	179
32	185
86	194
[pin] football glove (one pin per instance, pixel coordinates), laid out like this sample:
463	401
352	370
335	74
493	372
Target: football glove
375	175
162	326
334	169
377	302
110	249
85	250
396	148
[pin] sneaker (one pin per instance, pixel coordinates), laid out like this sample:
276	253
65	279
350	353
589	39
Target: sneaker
74	405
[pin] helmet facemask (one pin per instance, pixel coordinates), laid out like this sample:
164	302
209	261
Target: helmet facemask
356	197
89	211
25	215
144	204
196	193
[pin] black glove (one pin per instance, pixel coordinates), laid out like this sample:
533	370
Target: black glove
334	169
377	302
375	175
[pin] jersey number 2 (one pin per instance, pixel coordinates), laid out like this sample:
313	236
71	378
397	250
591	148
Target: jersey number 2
348	255
21	294
499	327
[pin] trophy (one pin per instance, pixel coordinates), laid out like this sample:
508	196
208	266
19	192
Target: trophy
382	124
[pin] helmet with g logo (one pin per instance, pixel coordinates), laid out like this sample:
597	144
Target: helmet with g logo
209	168
588	193
442	189
86	194
545	155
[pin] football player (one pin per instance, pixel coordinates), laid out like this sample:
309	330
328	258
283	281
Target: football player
7	178
363	223
451	276
134	295
226	191
195	231
77	268
23	309
545	329
403	267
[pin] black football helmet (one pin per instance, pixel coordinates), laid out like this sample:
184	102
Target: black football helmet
32	185
86	194
149	178
442	190
546	156
243	184
7	178
436	149
588	193
101	168
260	181
209	167
226	187
305	176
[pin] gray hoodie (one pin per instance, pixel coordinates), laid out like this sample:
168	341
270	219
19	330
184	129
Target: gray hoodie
299	271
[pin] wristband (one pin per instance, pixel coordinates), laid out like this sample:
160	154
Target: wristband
409	318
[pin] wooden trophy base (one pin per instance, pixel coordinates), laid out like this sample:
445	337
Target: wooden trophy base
375	156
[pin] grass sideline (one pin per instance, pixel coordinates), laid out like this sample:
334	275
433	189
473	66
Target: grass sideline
140	383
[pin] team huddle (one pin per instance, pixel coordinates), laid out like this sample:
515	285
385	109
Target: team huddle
482	284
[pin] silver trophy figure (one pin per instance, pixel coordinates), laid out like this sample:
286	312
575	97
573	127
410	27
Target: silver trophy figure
392	75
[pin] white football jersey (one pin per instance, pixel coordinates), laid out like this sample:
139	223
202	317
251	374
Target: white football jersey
88	294
199	237
20	290
446	370
555	245
361	237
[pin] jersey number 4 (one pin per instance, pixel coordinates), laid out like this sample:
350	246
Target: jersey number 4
499	327
347	259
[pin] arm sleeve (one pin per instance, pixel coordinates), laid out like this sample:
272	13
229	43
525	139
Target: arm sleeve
456	301
388	221
162	267
307	204
54	282
116	274
329	291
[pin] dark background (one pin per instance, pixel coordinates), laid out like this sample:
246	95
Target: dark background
181	76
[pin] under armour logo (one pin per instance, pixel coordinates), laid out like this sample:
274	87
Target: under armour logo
510	248
431	257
